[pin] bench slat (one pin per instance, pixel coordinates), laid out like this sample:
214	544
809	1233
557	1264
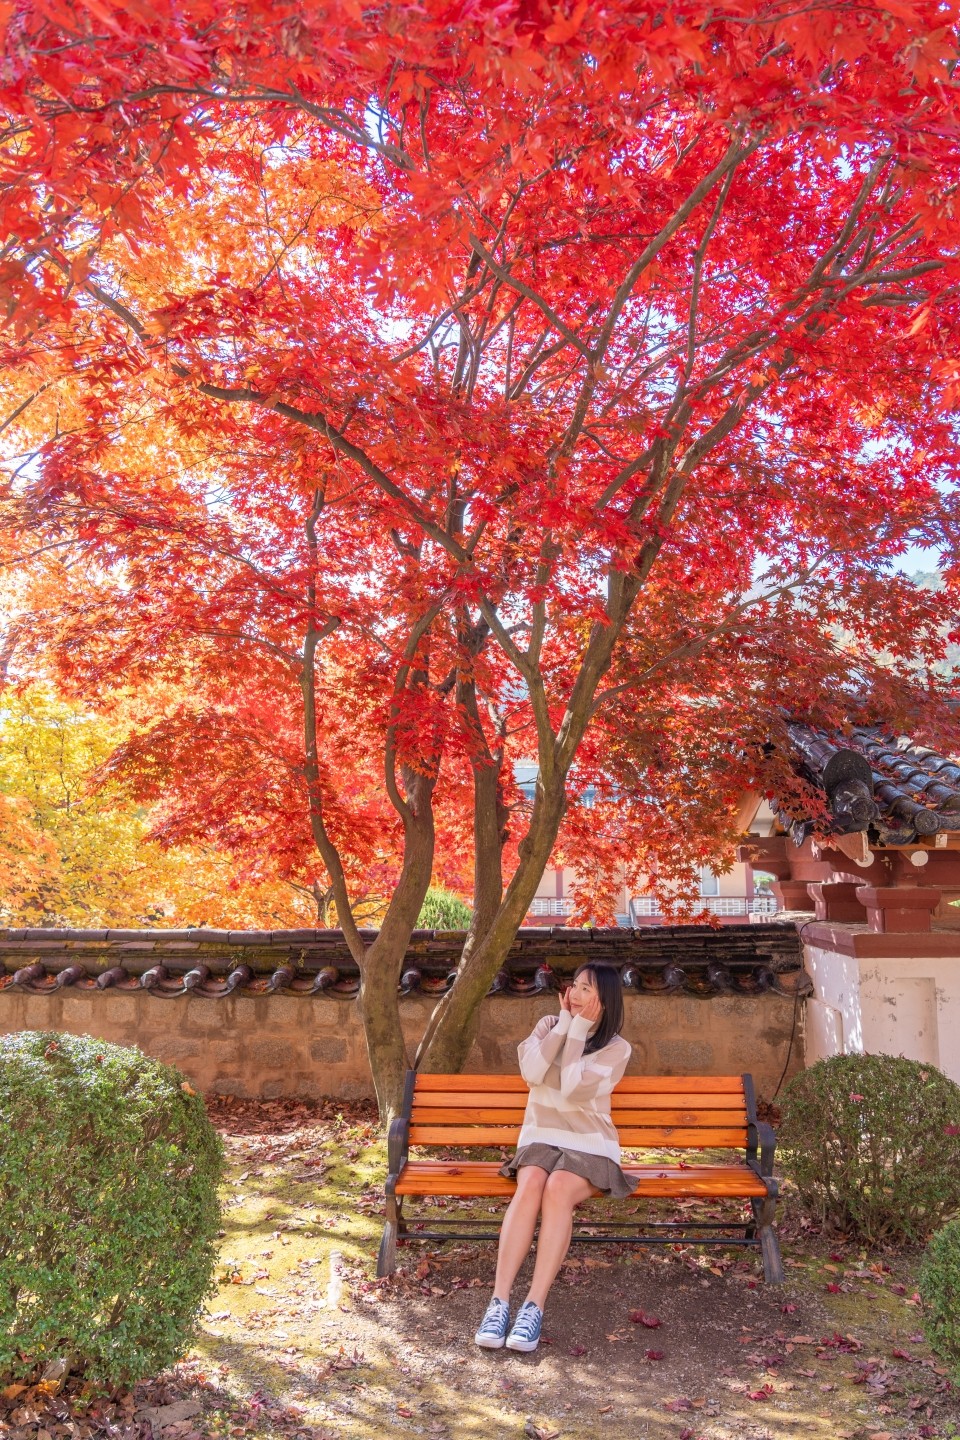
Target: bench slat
629	1136
516	1100
481	1179
484	1115
629	1085
654	1167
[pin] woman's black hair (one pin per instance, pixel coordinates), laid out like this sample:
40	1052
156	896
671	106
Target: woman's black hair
607	980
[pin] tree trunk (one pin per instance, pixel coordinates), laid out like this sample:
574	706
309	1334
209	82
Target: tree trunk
380	969
454	1022
324	900
490	817
381	964
489	834
379	1008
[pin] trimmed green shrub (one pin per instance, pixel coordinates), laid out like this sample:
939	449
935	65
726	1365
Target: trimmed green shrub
109	1209
872	1143
443	911
940	1293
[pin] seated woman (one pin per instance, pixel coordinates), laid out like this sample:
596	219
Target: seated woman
568	1145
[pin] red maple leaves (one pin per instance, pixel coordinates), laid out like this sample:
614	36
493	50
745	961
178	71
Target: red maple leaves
424	392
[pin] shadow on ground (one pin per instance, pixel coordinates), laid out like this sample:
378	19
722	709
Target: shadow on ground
302	1339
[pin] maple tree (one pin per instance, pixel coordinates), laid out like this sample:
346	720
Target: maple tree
432	386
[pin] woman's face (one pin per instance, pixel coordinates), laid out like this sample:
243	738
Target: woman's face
581	991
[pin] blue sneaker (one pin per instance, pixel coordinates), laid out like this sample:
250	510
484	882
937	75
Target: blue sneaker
525	1334
494	1325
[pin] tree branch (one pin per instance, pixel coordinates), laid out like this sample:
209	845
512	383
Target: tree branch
502	273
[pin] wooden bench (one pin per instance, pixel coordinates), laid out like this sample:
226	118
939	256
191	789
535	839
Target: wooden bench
691	1112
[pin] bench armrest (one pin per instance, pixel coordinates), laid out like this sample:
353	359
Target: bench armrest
398	1143
760	1136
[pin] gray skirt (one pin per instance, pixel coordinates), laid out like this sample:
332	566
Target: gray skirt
602	1172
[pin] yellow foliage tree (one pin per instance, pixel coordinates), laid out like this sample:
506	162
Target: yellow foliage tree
73	852
28	859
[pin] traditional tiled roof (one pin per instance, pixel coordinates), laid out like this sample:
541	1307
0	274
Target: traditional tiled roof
744	960
890	786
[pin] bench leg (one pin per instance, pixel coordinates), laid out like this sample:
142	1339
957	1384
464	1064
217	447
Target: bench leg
764	1212
387	1256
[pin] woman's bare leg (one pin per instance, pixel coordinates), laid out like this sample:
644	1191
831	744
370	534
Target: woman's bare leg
519	1223
562	1192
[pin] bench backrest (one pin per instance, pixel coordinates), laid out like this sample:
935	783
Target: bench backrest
649	1111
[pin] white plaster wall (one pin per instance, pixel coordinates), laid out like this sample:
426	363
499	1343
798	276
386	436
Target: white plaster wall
836	988
823	1031
900	1011
906	1006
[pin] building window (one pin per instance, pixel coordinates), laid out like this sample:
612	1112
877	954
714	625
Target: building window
709	884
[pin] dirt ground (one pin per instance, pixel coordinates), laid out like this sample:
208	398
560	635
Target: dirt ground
302	1340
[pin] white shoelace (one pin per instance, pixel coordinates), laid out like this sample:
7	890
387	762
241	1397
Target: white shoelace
492	1322
528	1321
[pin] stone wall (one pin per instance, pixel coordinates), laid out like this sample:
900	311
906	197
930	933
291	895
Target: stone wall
282	1045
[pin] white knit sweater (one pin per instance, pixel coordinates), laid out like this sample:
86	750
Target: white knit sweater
569	1100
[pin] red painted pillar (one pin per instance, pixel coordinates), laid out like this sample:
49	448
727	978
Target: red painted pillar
898	908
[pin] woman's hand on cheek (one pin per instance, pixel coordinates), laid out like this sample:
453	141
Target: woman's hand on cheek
565	1000
591	1009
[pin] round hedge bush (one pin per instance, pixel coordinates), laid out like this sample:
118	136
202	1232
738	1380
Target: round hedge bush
940	1293
109	1209
872	1143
